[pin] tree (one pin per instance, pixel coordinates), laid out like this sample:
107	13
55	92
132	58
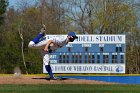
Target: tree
60	16
110	16
53	14
3	6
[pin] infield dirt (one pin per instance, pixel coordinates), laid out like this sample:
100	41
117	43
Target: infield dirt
25	79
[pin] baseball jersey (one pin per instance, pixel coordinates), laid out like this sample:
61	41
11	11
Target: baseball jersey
58	42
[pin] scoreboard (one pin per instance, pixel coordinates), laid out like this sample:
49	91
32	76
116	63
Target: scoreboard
90	54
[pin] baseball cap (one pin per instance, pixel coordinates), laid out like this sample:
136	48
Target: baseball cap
73	34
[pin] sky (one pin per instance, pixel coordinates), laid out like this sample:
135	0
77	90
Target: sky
12	2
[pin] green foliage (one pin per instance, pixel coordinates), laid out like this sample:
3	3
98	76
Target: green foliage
3	6
116	18
9	52
11	55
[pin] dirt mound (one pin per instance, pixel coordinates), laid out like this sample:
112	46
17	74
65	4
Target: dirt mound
24	79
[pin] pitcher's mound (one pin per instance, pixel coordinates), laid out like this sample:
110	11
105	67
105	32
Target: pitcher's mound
43	80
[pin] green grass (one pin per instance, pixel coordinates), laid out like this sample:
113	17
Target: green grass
69	88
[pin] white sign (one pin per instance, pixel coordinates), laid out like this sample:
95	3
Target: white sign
109	39
87	68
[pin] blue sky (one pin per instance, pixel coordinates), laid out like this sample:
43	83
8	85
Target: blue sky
12	2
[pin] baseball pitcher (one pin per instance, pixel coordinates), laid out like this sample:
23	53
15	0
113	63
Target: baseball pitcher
49	46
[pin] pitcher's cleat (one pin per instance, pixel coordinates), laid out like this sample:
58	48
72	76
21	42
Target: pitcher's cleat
43	26
55	78
43	29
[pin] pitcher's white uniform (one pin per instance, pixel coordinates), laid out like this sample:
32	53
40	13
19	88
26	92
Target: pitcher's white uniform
43	43
58	42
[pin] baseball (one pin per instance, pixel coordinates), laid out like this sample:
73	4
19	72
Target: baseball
51	44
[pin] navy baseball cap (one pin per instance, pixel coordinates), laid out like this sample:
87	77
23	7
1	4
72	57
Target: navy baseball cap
73	34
